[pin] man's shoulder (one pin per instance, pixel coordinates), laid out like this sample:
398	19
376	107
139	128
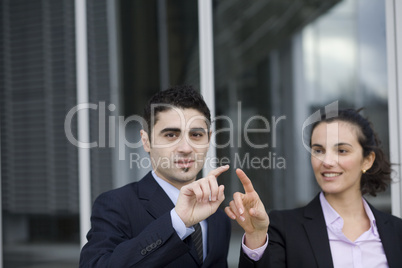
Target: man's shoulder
129	189
118	195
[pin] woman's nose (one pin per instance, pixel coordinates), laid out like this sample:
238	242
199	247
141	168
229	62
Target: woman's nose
330	159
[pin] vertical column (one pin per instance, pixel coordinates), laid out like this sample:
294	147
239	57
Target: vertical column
115	85
3	25
303	185
84	172
207	68
394	51
163	45
1	212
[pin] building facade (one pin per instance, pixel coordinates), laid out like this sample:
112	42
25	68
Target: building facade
75	76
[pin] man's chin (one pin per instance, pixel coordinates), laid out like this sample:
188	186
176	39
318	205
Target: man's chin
186	175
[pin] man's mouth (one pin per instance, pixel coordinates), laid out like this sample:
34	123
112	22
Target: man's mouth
185	163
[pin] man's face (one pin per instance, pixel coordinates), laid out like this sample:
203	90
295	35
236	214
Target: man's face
178	145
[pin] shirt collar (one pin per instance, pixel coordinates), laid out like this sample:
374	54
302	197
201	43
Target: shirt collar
169	189
371	217
332	218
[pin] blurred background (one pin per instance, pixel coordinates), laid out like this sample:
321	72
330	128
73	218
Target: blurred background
278	59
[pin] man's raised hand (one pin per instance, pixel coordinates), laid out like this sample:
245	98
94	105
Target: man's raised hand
201	198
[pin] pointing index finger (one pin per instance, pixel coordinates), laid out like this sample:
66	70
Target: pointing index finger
218	171
245	181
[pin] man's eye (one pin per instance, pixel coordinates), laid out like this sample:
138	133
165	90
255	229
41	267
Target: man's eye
170	135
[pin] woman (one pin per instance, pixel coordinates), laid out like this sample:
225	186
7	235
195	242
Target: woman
338	228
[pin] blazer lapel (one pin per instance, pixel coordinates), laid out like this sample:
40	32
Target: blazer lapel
388	238
154	198
316	230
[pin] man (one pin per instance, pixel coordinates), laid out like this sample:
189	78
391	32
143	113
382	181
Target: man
154	222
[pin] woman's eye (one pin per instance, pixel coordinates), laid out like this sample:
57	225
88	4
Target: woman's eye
317	151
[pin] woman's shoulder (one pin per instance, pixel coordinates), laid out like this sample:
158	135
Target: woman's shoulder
287	215
312	208
386	217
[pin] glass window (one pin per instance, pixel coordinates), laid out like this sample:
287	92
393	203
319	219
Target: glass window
39	179
159	48
277	62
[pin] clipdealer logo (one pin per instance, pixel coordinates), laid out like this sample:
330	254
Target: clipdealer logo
237	133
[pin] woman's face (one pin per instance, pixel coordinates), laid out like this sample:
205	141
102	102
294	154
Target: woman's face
337	158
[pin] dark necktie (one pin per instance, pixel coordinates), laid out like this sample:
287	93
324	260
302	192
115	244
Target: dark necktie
197	239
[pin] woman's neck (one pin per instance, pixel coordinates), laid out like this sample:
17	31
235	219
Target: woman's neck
347	206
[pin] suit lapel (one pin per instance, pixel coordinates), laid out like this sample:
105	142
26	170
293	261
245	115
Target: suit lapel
153	197
157	203
317	233
193	251
388	237
212	221
212	242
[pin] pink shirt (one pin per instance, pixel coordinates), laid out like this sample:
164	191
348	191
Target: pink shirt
365	252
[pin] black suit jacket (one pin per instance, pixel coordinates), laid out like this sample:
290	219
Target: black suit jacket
132	227
299	238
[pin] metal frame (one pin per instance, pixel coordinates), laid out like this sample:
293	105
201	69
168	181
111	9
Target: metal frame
163	45
394	38
207	82
394	42
84	161
1	212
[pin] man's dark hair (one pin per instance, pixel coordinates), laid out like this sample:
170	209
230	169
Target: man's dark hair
183	97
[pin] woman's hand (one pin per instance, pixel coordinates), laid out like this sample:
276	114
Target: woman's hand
249	212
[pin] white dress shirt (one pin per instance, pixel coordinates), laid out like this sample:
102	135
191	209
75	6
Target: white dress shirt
182	231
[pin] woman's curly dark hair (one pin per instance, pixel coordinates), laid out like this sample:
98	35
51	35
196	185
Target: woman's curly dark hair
378	177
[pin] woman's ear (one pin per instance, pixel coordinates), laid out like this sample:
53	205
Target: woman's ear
145	141
368	161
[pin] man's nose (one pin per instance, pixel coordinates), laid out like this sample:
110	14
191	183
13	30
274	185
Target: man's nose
184	146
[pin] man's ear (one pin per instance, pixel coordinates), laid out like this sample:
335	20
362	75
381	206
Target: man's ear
145	141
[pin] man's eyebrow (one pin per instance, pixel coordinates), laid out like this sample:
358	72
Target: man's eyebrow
198	129
170	129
